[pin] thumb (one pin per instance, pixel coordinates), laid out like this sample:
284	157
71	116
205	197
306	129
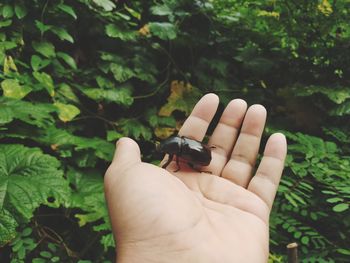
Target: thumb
127	154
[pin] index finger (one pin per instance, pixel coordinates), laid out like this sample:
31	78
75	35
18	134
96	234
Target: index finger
196	125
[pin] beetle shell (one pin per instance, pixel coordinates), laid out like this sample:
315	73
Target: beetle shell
192	151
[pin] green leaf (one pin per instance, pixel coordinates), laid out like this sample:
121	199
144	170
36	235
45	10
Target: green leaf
7	11
45	254
88	196
42	27
165	31
161	10
46	80
67	92
68	59
113	136
133	12
121	73
344	251
114	31
338	95
135	129
182	98
37	63
62	34
29	178
334	200
20	10
5	23
341	110
67	9
107	5
12	89
341	207
305	240
120	96
62	139
66	112
7	223
38	114
47	49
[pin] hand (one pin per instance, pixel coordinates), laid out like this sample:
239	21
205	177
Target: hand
187	216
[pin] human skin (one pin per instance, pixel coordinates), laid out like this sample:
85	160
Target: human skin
159	215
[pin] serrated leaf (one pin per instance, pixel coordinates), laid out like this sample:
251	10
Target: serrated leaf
8	223
68	59
29	178
20	10
107	5
47	49
88	195
113	136
165	31
120	96
107	241
135	129
114	31
46	81
62	34
66	112
182	98
38	114
121	73
67	9
341	207
62	138
12	89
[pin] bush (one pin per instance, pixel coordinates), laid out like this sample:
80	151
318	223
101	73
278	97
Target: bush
78	75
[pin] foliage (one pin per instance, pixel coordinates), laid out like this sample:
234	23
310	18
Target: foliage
77	75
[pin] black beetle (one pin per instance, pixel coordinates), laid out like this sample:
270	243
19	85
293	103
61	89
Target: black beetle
192	151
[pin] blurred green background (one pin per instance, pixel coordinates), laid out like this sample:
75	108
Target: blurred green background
77	75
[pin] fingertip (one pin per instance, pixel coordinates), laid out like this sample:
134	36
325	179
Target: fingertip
127	152
276	146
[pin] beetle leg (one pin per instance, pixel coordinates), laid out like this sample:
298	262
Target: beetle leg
177	163
168	161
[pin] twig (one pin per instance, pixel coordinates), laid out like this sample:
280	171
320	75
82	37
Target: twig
292	251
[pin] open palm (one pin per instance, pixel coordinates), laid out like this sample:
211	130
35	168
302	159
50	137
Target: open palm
159	215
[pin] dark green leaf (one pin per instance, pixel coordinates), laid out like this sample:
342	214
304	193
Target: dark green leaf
68	59
107	5
44	48
165	31
20	10
62	34
7	223
67	9
29	178
114	31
